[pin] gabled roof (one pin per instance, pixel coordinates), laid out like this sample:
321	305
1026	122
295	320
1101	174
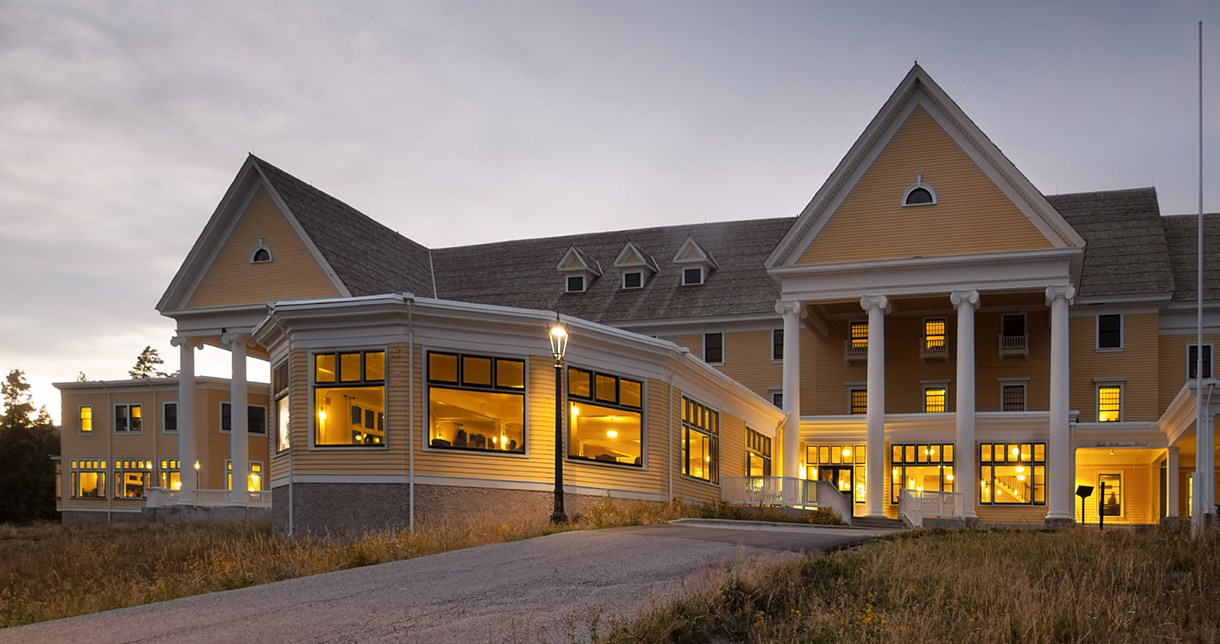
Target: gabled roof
368	257
916	90
1181	236
631	257
521	273
690	252
1126	252
574	260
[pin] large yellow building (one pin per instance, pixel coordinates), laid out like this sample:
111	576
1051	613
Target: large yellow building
932	337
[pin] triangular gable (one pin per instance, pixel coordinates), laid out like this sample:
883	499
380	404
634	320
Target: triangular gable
690	252
920	127
632	257
576	261
218	270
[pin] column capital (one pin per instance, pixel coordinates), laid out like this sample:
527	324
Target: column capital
870	302
1060	291
183	340
233	339
957	298
789	307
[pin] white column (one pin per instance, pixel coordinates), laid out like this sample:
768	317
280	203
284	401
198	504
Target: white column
186	415
965	482
1171	482
238	419
1205	465
874	469
791	311
1059	457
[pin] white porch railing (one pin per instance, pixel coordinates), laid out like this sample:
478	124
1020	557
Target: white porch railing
1014	345
909	509
785	491
914	506
161	498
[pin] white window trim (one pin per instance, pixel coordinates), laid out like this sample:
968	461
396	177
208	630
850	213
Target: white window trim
567	283
261	246
919	183
1121	383
780	359
126	432
772	394
642	411
1211	360
1122	333
702	275
632	288
220	416
424	437
1023	381
249	467
164	405
853	387
724	347
925	385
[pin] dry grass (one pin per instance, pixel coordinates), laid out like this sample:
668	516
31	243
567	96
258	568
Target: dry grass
973	586
52	571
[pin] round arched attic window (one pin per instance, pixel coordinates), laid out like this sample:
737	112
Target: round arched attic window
261	254
919	193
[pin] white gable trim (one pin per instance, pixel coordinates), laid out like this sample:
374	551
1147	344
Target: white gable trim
690	252
575	261
632	257
919	90
305	239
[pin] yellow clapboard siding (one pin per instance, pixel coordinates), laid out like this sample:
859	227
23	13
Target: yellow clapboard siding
972	215
748	361
1171	362
1139	503
1136	363
292	273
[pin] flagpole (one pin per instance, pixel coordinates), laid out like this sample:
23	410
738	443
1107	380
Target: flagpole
1203	441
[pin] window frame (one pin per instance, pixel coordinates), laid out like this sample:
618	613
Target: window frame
97	466
928	388
777	398
921	457
568	283
1122	509
686	271
166	467
722	347
80	420
1121	332
638	274
698	426
851	401
777	345
758	445
824	455
249	407
1024	385
281	389
1209	359
125	466
165	405
458	385
925	339
129	406
1033	463
1109	384
339	383
262	478
1014	315
592	399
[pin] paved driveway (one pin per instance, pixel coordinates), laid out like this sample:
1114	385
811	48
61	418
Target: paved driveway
525	591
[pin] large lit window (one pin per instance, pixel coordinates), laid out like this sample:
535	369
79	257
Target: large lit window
254	476
758	454
88	479
1012	473
859	401
1110	331
935	399
169	475
86	419
476	403
1109	403
131	478
606	413
1192	361
169	417
349	399
921	468
256	418
700	441
279	391
859	336
128	418
840	465
1112	496
713	348
934	335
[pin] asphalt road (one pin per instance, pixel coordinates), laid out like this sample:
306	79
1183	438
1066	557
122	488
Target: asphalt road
543	589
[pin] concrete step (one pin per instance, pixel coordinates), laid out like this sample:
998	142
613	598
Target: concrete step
877	522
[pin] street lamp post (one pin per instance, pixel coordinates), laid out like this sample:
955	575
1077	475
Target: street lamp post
558	335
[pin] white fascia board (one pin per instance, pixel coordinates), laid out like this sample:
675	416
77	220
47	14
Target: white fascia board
1005	272
1183	320
214	322
673	326
1179	418
160	385
1156	300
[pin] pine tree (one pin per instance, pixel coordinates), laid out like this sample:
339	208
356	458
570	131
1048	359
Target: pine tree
27	443
146	365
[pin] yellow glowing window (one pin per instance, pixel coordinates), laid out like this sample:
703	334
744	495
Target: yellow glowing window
86	419
934	334
934	400
859	335
254	480
700	441
1109	403
859	401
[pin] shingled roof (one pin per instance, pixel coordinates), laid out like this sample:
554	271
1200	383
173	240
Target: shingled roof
1125	251
522	273
1181	234
368	257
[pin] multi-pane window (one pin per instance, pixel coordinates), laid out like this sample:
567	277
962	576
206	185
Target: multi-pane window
169	417
935	400
254	476
86	419
279	391
131	478
700	441
1110	331
349	399
256	418
859	401
859	336
476	403
605	418
921	468
88	479
1012	397
1109	403
758	454
777	344
777	398
839	465
169	475
1192	361
713	347
934	335
128	418
1012	473
1111	494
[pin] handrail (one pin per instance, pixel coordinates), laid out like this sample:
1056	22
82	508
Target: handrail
910	509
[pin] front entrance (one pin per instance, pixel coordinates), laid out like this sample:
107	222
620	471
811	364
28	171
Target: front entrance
839	465
1131	477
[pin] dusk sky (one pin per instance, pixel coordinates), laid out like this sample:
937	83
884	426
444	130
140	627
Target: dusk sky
466	122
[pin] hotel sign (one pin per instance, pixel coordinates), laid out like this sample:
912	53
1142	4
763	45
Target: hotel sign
1120	444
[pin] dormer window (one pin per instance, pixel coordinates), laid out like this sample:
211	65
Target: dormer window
636	266
919	193
633	279
575	284
695	263
261	254
692	276
578	271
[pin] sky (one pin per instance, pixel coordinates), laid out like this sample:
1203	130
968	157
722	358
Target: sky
123	123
